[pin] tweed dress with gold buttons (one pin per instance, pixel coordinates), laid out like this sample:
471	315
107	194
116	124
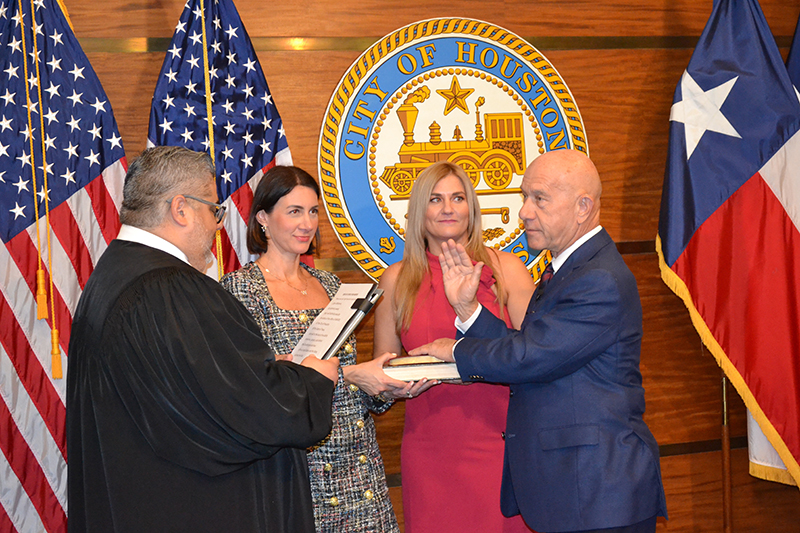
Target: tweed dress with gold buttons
348	483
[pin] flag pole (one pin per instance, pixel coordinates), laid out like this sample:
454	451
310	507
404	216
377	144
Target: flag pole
727	497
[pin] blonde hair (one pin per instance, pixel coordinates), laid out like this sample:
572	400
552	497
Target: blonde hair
415	261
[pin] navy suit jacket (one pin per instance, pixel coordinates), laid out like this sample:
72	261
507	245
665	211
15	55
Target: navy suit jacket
578	454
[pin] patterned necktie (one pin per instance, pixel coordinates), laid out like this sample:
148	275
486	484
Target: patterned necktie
547	275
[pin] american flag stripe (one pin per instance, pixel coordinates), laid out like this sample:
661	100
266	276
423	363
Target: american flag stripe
27	341
106	195
80	205
5	522
31	427
243	197
230	258
114	181
68	250
18	509
49	417
239	204
23	463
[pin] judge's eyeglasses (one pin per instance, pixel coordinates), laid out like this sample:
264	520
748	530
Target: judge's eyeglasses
219	209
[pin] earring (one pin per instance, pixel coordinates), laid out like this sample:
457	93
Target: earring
263	229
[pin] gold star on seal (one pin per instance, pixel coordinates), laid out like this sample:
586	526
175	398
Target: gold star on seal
456	97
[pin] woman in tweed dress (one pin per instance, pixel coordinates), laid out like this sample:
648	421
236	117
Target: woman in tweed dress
348	483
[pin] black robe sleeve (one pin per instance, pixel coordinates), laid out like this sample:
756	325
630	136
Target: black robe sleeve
193	373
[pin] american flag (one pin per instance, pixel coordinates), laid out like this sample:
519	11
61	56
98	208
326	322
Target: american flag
61	156
248	133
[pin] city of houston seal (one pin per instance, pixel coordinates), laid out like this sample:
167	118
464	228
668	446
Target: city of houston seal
450	89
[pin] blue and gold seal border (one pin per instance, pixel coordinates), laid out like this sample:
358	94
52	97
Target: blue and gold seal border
349	85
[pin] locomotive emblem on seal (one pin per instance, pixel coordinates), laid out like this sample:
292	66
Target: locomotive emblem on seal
459	90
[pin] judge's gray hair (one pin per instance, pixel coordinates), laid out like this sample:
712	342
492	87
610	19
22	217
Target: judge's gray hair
156	176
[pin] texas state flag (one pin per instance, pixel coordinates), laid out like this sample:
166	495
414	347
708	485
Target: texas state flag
729	229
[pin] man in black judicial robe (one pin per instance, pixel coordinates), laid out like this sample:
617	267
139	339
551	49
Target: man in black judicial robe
178	416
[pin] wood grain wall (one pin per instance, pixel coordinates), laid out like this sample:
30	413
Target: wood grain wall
621	61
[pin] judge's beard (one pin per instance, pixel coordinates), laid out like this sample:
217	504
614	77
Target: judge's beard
209	260
202	260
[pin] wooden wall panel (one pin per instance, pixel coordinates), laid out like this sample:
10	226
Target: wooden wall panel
129	81
622	77
693	487
375	18
682	380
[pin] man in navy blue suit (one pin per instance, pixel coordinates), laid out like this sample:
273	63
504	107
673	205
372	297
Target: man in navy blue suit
578	455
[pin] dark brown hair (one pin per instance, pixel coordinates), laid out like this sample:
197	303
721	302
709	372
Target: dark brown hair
276	183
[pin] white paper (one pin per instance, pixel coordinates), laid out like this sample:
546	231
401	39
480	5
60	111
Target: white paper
330	322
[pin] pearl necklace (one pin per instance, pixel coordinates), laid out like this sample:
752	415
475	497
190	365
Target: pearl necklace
303	291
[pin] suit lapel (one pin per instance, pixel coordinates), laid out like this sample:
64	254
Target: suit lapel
583	254
577	259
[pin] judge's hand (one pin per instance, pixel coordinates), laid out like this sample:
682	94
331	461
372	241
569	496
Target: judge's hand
440	348
461	278
283	357
371	378
328	368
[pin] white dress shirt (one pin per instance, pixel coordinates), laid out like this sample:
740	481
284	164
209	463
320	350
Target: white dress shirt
138	235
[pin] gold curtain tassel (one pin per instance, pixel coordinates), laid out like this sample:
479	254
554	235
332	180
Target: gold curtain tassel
41	295
56	356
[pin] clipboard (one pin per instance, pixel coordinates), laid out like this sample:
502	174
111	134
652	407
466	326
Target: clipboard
360	307
324	341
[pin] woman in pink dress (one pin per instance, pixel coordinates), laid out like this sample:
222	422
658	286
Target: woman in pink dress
452	450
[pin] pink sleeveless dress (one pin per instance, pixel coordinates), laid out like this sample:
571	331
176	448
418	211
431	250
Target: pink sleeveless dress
452	450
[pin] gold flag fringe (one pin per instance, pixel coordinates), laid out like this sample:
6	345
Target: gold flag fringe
677	285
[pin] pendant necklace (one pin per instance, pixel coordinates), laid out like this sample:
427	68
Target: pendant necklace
303	291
